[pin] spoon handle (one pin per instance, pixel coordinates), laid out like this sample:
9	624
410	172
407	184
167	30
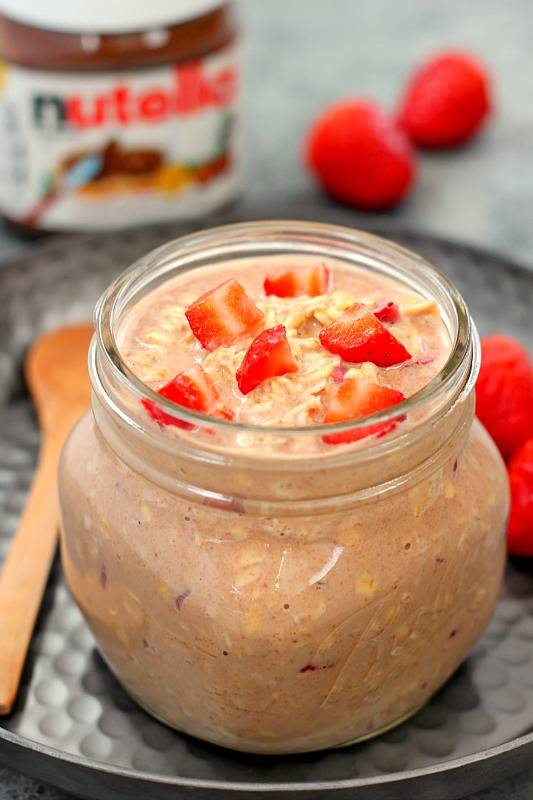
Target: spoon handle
25	572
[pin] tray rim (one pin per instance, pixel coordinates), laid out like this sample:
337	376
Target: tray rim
493	753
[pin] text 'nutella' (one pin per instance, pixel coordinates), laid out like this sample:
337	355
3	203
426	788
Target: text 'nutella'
136	122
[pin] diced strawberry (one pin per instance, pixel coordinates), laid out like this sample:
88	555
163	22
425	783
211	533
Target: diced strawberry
338	374
388	311
358	335
315	667
310	281
160	416
268	356
504	392
356	398
221	412
192	388
218	317
520	532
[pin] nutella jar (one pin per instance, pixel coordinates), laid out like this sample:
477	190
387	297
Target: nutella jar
118	113
272	575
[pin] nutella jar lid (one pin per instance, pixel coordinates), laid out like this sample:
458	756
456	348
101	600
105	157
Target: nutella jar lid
103	16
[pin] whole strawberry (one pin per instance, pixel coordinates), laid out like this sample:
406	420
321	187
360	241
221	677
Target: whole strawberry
360	156
446	101
504	392
520	531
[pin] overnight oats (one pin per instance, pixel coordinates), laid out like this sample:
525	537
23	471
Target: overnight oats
281	520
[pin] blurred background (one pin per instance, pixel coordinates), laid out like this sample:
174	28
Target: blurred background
303	54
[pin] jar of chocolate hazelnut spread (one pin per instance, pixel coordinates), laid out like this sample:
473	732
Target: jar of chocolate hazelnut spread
117	113
280	519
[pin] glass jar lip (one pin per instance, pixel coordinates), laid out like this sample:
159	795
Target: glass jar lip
463	360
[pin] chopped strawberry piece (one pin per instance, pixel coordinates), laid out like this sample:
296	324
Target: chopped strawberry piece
520	532
358	335
387	312
160	416
356	398
218	317
504	392
338	374
221	412
269	356
310	281
192	388
315	667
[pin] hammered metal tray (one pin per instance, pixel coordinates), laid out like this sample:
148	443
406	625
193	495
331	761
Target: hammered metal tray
75	728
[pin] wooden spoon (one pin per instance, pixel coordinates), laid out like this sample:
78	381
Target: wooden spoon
57	376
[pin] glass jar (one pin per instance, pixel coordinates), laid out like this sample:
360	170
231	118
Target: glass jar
258	597
114	114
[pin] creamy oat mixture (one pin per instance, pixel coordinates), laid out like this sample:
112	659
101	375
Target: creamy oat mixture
157	342
299	625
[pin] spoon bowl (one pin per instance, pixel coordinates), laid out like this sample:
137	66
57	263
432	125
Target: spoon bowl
57	377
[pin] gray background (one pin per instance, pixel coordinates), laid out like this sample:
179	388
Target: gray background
302	54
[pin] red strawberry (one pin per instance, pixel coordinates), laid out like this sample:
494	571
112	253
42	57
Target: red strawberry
338	374
504	392
520	532
446	101
192	388
268	356
358	335
310	281
220	316
356	398
160	416
360	156
387	311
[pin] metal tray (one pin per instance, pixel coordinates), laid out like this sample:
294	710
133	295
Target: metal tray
75	728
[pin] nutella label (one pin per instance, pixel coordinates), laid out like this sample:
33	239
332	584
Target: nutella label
88	151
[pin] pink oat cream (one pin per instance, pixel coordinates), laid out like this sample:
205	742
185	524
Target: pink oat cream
246	581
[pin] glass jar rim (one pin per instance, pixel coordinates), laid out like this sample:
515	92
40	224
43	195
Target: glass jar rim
240	239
